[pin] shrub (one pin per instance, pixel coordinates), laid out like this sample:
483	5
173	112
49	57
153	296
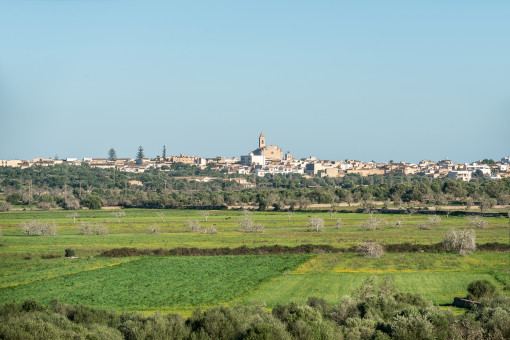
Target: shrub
85	228
211	230
410	324
462	242
38	228
89	228
481	289
70	252
32	305
339	223
477	222
153	229
101	230
71	204
45	206
423	226
50	256
373	223
93	201
5	206
434	220
371	249
194	226
248	226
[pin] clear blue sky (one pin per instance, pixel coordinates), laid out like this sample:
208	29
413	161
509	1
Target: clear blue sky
368	80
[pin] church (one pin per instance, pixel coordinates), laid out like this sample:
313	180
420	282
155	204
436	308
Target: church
270	152
262	154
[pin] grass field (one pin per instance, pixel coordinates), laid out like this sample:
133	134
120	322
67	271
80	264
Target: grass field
183	283
131	231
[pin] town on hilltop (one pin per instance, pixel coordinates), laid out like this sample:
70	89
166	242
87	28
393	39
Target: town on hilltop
269	159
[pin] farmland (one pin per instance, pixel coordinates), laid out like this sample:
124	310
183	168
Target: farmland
180	284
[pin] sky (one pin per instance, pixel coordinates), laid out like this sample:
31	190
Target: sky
365	80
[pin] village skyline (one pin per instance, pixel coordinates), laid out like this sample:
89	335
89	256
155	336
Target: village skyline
270	159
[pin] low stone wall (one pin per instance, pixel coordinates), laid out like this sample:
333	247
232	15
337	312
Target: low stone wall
464	303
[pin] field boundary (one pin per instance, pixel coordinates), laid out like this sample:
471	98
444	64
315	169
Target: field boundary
282	250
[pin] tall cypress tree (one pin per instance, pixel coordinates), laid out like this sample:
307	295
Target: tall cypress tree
112	155
140	154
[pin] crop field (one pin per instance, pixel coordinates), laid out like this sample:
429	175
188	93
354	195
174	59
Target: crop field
180	284
151	283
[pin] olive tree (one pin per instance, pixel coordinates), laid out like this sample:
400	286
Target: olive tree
118	215
316	223
289	214
73	216
205	214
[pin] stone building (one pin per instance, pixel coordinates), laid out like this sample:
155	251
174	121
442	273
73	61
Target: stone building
270	152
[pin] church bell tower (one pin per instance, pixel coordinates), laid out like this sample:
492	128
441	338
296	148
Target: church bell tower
262	140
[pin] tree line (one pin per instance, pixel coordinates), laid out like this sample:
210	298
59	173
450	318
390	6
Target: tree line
72	187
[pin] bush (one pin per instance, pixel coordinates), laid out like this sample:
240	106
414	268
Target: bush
434	220
50	256
462	242
70	252
477	222
373	223
481	289
38	228
248	226
339	223
93	202
194	226
45	206
371	249
89	228
101	230
211	230
5	206
424	226
71	204
153	229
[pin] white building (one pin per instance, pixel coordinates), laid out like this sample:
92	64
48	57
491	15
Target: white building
463	175
252	159
485	169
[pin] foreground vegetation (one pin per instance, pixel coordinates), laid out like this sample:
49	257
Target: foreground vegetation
376	310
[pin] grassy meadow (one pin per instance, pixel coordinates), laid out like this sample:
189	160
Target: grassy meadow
180	284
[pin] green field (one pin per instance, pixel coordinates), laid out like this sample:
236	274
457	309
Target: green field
131	231
183	283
